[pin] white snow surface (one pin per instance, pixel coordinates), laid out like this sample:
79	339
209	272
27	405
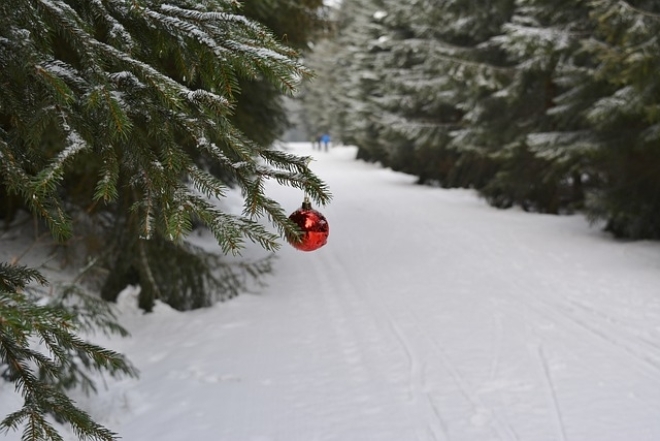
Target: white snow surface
428	316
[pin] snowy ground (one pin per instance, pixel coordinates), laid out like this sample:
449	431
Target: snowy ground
428	316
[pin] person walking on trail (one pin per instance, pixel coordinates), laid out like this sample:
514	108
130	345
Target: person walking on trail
316	142
325	139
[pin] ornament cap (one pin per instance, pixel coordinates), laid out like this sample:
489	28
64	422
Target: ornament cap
306	205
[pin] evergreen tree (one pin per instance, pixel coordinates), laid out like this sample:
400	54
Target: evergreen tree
365	63
397	68
538	164
364	121
402	73
318	110
627	119
115	122
38	374
339	98
438	61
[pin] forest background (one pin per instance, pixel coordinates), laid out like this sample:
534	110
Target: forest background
553	106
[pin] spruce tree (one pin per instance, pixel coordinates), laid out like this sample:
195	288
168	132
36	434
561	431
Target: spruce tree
116	124
436	63
626	119
537	159
339	99
366	61
398	60
403	75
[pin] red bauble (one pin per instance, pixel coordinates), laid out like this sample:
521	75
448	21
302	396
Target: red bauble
314	226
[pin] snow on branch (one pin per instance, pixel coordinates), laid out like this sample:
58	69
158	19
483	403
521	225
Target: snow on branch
210	16
117	31
191	30
64	71
212	100
547	35
125	77
74	144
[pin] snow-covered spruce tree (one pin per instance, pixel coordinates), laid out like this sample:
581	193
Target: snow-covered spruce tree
396	58
365	62
428	112
317	116
431	68
430	60
627	120
259	104
477	68
112	114
403	77
361	80
538	160
339	98
448	38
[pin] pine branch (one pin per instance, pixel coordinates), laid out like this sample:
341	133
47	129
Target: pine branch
21	320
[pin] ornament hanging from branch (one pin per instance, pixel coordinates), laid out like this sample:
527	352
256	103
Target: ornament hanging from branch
314	227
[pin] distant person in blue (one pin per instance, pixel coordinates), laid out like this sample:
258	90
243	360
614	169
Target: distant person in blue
325	140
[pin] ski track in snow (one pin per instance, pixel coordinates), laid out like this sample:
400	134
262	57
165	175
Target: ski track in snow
429	316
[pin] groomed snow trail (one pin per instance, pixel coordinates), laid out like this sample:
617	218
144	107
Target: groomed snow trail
440	318
429	316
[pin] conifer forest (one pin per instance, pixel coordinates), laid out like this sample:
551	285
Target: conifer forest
552	106
122	121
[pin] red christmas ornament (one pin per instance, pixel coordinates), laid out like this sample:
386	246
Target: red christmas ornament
314	226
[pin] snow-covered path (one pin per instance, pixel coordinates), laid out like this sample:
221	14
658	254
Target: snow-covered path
429	316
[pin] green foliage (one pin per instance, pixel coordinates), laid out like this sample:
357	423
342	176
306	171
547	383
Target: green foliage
539	163
38	371
626	119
